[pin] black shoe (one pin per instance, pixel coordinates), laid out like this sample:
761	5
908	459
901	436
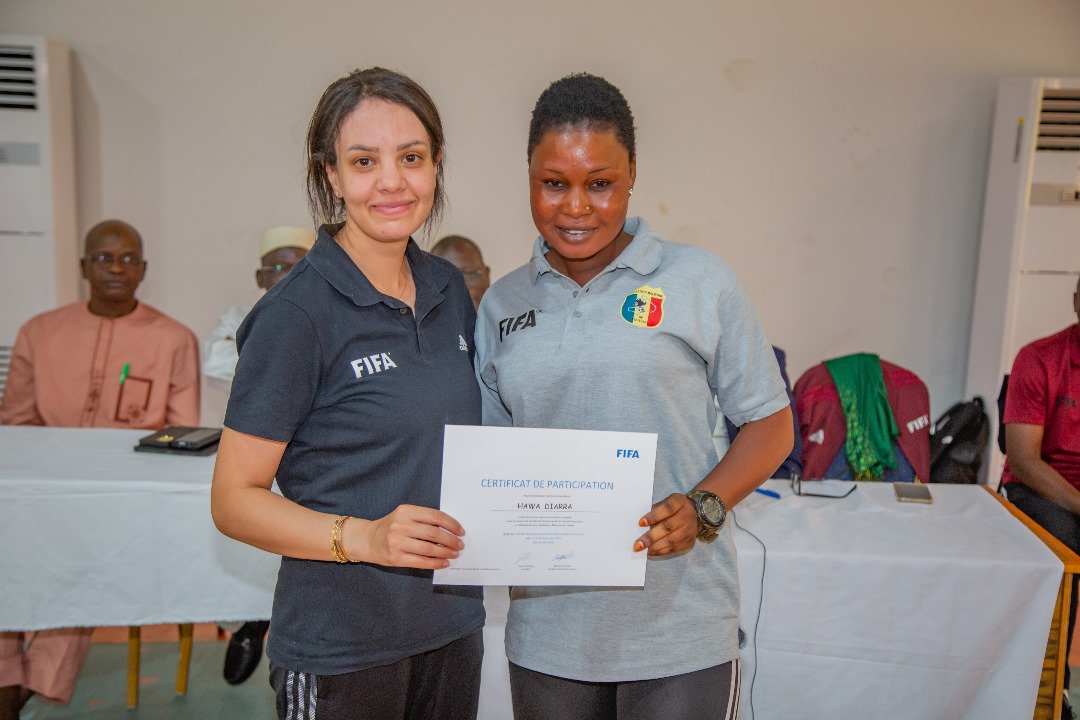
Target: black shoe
244	651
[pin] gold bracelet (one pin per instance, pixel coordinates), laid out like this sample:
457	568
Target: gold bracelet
335	539
337	548
334	530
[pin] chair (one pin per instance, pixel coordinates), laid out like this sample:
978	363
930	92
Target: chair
1001	412
183	669
823	429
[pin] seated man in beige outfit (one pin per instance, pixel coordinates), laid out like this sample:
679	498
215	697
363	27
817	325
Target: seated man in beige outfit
110	362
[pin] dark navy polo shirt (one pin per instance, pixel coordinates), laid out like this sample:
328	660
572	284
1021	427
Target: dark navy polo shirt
360	388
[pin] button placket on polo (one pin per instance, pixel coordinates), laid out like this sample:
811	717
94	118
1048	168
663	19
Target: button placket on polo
407	318
578	297
571	311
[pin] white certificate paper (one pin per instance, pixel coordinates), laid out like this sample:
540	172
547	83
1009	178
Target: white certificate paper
547	507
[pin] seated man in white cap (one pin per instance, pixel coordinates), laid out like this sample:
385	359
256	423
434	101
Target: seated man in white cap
282	247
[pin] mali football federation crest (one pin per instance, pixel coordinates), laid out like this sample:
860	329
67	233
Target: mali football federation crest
644	307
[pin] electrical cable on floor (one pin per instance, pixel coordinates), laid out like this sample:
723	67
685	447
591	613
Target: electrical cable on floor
757	618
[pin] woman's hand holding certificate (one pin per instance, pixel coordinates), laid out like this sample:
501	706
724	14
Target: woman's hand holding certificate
537	517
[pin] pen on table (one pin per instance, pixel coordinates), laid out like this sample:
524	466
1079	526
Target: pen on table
124	373
770	493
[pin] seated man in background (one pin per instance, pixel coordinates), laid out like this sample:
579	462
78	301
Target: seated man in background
465	255
112	362
1042	435
282	247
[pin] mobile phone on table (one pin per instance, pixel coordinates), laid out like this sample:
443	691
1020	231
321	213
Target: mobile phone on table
197	439
913	492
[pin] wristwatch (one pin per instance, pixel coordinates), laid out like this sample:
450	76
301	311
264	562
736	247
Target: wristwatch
711	513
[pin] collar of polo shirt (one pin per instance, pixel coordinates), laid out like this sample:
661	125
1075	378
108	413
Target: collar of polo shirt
642	255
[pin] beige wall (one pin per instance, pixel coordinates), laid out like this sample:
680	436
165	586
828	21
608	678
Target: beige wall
834	151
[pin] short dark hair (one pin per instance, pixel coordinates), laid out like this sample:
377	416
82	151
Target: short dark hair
584	101
341	98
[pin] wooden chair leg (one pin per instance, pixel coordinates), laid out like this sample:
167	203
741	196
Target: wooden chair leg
184	667
134	650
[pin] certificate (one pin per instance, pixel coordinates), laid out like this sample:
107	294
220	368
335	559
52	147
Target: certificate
547	507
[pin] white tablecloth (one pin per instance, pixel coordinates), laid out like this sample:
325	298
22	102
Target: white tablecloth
875	608
97	534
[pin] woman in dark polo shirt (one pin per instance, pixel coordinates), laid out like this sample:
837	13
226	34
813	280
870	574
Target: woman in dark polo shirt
349	369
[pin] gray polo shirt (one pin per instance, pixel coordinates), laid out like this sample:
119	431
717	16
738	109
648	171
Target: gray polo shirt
644	346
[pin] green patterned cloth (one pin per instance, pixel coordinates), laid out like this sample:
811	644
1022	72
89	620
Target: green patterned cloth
871	425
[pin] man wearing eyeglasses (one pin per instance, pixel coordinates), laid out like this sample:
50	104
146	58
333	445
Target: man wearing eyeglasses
111	362
282	247
465	255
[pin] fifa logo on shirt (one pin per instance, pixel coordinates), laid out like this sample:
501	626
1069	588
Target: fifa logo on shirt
918	423
513	324
372	364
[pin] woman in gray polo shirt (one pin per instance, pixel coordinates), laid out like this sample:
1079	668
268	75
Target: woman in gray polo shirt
349	368
626	331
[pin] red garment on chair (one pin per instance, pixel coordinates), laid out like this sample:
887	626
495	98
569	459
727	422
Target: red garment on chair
822	426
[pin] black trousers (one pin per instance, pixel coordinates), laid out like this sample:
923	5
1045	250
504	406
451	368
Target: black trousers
1060	523
441	684
710	693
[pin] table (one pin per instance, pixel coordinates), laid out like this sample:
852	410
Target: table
875	608
1057	646
97	534
897	610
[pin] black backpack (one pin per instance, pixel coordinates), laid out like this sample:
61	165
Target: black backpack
958	442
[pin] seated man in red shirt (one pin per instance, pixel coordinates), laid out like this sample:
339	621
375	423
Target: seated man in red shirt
112	362
1042	436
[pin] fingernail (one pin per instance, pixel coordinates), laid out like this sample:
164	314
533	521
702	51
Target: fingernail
639	546
642	523
454	554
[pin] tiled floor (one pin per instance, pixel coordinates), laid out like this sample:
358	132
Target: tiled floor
100	694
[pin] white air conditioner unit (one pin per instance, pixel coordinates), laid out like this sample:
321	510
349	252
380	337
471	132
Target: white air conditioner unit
39	248
1029	256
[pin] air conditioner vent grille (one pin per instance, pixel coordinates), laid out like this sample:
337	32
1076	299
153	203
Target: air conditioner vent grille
18	79
1059	119
5	365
